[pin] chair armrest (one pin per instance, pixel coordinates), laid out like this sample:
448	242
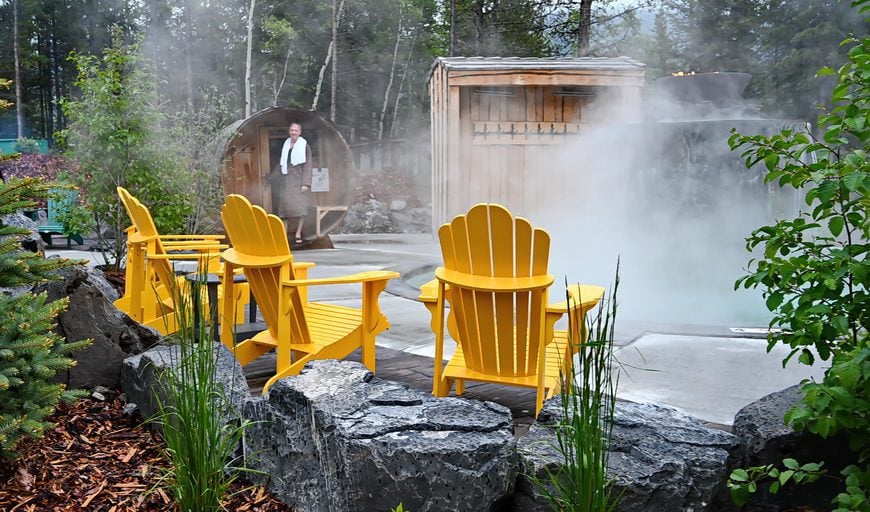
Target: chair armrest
304	264
493	284
361	277
136	237
192	237
585	296
429	291
246	260
208	247
197	243
187	256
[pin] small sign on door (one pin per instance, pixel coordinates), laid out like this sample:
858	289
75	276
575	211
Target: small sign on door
320	179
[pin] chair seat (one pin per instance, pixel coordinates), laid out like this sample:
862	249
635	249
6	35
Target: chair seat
328	323
554	358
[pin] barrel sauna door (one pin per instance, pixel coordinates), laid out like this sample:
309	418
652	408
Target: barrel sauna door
271	142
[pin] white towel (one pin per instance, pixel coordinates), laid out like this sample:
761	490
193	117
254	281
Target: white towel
297	155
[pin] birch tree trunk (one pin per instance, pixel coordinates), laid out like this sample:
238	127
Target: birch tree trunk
402	86
188	77
19	103
334	82
320	77
278	85
248	60
392	75
452	28
326	61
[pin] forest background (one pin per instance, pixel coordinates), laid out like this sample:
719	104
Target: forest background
364	63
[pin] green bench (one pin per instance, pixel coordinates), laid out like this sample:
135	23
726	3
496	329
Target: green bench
58	201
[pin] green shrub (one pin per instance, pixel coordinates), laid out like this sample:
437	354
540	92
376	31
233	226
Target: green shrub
119	137
814	268
31	354
27	146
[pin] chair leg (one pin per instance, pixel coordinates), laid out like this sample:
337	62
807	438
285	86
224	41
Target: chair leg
368	352
293	369
442	387
460	387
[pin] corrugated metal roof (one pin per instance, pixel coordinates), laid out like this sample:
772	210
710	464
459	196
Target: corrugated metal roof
530	63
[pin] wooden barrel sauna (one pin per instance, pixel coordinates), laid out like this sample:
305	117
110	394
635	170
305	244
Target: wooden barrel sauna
253	149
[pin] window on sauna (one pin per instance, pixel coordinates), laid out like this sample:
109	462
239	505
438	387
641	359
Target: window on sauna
576	91
494	91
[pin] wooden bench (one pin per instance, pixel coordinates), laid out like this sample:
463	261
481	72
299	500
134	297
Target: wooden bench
322	212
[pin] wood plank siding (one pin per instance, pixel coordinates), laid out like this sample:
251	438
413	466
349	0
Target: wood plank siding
495	122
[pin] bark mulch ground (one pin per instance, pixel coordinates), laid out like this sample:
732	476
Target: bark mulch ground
99	459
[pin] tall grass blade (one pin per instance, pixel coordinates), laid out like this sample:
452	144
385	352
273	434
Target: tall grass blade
200	426
580	483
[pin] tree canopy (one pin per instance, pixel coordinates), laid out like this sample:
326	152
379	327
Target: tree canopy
383	49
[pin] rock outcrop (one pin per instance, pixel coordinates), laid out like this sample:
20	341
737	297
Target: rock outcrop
334	438
31	242
660	459
140	374
766	439
91	314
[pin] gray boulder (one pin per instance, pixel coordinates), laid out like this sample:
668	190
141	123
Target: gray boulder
140	376
334	438
766	439
31	242
91	314
661	459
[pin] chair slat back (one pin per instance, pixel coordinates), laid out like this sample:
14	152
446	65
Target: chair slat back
253	232
141	218
501	332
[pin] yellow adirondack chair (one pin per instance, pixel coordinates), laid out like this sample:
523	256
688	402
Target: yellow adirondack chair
151	283
495	280
298	330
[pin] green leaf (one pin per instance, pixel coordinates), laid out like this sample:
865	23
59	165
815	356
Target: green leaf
836	224
739	475
773	301
774	487
791	464
740	495
811	467
854	181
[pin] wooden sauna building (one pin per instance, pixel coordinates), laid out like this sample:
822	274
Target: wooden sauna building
253	149
495	122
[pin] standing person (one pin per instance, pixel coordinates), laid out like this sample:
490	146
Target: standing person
294	173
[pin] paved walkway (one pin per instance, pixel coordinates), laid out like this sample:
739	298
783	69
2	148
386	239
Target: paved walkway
707	371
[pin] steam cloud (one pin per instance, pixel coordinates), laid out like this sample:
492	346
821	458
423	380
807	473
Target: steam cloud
670	201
